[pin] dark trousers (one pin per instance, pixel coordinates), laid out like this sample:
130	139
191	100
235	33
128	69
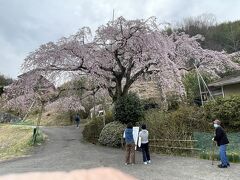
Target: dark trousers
77	122
145	152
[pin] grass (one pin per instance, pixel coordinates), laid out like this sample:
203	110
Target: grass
16	140
49	119
205	143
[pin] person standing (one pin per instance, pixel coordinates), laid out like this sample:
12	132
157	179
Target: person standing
77	119
222	141
130	145
144	144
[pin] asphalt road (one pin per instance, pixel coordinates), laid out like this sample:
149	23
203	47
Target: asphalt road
65	151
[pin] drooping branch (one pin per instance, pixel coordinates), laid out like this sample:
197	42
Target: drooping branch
123	50
136	76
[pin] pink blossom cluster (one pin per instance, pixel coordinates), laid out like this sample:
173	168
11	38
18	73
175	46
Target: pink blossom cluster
29	88
124	50
65	104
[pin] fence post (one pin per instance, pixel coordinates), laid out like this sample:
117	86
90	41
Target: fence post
154	144
34	138
191	144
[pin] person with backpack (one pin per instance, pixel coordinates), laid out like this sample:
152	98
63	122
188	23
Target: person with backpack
143	135
129	144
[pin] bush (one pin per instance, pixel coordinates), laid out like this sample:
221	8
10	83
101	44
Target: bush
109	117
128	109
189	119
226	110
173	100
150	103
111	134
179	124
175	125
92	130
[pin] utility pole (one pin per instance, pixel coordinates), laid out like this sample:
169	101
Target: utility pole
113	15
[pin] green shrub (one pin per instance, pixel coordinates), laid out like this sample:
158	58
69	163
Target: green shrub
111	134
189	119
175	125
173	100
225	109
150	103
92	130
109	117
155	121
179	124
128	109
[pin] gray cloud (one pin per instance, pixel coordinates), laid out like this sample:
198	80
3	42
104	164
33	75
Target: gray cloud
26	24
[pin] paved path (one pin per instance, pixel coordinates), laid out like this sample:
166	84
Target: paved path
65	151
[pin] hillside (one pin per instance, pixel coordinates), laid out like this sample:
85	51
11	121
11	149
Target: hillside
224	36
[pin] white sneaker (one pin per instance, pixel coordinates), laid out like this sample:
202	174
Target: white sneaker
149	162
145	163
126	164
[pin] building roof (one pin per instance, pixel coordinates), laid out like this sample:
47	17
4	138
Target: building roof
234	79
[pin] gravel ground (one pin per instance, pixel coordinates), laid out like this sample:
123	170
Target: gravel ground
65	151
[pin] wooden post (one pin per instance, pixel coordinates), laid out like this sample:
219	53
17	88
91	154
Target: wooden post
154	144
191	144
35	132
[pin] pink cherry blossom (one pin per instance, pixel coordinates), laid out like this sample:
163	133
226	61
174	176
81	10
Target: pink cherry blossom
124	50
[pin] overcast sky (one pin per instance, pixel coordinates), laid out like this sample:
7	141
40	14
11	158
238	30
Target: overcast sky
26	24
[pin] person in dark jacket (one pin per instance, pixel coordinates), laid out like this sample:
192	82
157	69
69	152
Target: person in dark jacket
222	141
77	119
130	145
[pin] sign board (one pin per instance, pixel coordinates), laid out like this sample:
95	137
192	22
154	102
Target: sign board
135	135
101	113
139	141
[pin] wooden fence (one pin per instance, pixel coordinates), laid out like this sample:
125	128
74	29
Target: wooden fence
172	145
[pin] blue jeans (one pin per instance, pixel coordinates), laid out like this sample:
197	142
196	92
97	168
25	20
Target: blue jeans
223	154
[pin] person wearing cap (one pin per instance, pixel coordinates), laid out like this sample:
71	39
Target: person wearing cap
222	141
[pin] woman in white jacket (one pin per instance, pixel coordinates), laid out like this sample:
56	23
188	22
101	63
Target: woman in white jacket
144	144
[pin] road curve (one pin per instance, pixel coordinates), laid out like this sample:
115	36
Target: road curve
65	151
